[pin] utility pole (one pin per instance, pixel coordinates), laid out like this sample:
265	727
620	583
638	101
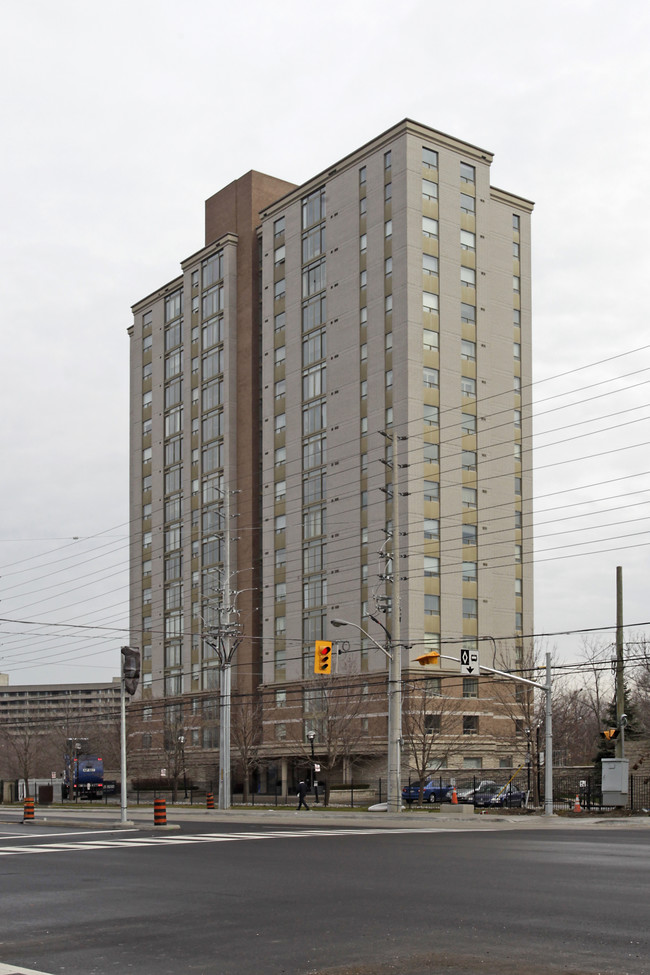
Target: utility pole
620	670
224	639
394	803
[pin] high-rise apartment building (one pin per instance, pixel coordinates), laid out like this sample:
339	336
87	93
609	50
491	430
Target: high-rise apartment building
352	357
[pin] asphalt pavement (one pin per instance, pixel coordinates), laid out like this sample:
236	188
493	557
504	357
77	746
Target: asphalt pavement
325	892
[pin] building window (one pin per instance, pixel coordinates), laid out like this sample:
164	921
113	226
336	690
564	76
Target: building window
516	222
431	604
469	497
467	203
429	264
469	534
429	227
431	566
516	283
430	340
430	377
470	609
470	724
468	424
431	415
468	386
431	528
431	453
467	240
387	159
388	192
280	422
362	175
467	173
430	302
388	228
470	570
470	686
431	490
429	158
468	350
278	227
469	460
467	313
429	189
467	277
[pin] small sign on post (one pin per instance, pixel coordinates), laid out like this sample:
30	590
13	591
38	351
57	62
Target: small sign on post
469	661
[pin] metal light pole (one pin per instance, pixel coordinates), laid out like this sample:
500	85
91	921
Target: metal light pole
394	654
181	741
123	796
311	735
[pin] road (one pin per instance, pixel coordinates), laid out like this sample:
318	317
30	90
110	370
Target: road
305	897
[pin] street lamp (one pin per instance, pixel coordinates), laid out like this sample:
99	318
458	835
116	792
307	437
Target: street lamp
181	742
394	654
311	735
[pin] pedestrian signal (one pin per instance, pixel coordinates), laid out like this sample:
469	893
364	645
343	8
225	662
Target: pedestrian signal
323	657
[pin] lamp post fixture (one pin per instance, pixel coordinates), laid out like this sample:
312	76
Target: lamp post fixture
311	735
394	654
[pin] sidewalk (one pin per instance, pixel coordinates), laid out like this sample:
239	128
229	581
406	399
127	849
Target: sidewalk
141	817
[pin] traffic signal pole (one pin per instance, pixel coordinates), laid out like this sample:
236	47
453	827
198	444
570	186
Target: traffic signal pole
130	675
547	687
123	798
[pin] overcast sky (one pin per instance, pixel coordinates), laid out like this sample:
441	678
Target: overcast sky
119	119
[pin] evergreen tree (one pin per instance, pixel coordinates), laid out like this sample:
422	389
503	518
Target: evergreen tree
607	746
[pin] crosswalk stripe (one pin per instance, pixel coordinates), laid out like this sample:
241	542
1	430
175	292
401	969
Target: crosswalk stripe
167	841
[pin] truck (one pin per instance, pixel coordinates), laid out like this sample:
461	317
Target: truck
87	774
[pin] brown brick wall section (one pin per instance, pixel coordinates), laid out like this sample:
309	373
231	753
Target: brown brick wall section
235	210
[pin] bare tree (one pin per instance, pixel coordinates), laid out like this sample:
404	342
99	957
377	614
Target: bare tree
22	745
336	710
246	732
430	727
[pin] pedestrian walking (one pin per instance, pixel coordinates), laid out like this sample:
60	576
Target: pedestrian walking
302	792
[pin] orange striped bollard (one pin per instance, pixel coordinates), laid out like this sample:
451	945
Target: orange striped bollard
159	812
28	810
209	800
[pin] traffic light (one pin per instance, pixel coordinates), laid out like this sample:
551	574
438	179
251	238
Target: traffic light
130	669
433	657
323	657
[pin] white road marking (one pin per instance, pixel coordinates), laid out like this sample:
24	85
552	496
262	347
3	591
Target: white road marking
50	835
130	843
17	970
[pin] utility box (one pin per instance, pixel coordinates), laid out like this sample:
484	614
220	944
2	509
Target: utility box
615	776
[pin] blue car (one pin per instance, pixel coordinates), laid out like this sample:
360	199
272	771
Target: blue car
501	796
433	792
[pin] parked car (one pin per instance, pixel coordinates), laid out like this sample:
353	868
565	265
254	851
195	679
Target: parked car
467	795
433	791
501	795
